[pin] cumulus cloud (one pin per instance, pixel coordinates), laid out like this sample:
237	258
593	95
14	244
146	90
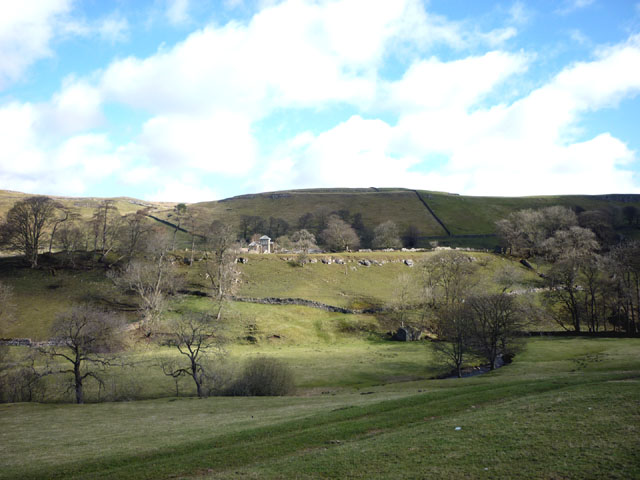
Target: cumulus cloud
113	28
33	161
178	11
526	147
201	100
26	29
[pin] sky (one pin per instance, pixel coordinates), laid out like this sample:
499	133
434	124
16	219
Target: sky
196	100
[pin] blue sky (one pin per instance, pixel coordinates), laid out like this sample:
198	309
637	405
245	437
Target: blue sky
192	100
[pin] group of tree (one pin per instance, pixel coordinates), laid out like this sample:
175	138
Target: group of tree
592	278
465	318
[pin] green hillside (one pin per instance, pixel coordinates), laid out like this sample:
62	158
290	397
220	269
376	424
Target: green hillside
458	215
457	220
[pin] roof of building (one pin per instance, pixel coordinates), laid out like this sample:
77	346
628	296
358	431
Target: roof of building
264	237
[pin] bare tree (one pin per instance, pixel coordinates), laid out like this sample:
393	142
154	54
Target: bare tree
570	251
180	211
454	328
134	234
65	215
339	236
220	262
525	231
106	223
624	273
26	224
195	337
386	235
447	278
496	321
303	241
404	297
88	339
71	238
152	279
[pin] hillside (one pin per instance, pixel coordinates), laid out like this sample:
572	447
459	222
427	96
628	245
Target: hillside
85	206
450	219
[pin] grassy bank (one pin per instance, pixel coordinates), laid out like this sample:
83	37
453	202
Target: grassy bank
567	408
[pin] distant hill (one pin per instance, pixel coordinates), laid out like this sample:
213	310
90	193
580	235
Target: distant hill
445	217
83	205
450	219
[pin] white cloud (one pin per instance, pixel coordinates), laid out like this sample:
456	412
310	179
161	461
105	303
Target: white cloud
75	108
33	160
524	148
220	143
436	85
113	29
178	11
183	189
203	97
570	6
26	29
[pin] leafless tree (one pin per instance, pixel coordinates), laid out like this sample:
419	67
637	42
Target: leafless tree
524	231
195	337
71	238
88	339
404	297
453	326
134	234
624	274
571	251
106	224
220	263
447	278
179	212
153	278
496	320
64	214
339	236
26	225
303	241
386	235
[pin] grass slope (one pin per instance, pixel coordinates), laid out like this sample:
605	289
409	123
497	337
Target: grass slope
39	296
462	215
567	408
401	206
85	206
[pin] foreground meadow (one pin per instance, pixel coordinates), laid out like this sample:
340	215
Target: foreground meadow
566	408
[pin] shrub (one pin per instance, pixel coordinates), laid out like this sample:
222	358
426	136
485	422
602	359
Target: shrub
264	377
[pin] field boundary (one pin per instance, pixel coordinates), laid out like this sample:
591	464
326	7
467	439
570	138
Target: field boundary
433	214
305	303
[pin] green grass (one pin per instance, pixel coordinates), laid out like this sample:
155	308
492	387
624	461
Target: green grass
353	285
567	408
39	296
465	215
400	205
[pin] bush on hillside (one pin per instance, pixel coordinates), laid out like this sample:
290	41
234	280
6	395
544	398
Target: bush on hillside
264	377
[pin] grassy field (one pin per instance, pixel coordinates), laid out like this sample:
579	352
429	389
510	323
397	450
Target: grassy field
566	408
40	296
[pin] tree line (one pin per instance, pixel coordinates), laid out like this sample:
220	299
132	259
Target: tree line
591	275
